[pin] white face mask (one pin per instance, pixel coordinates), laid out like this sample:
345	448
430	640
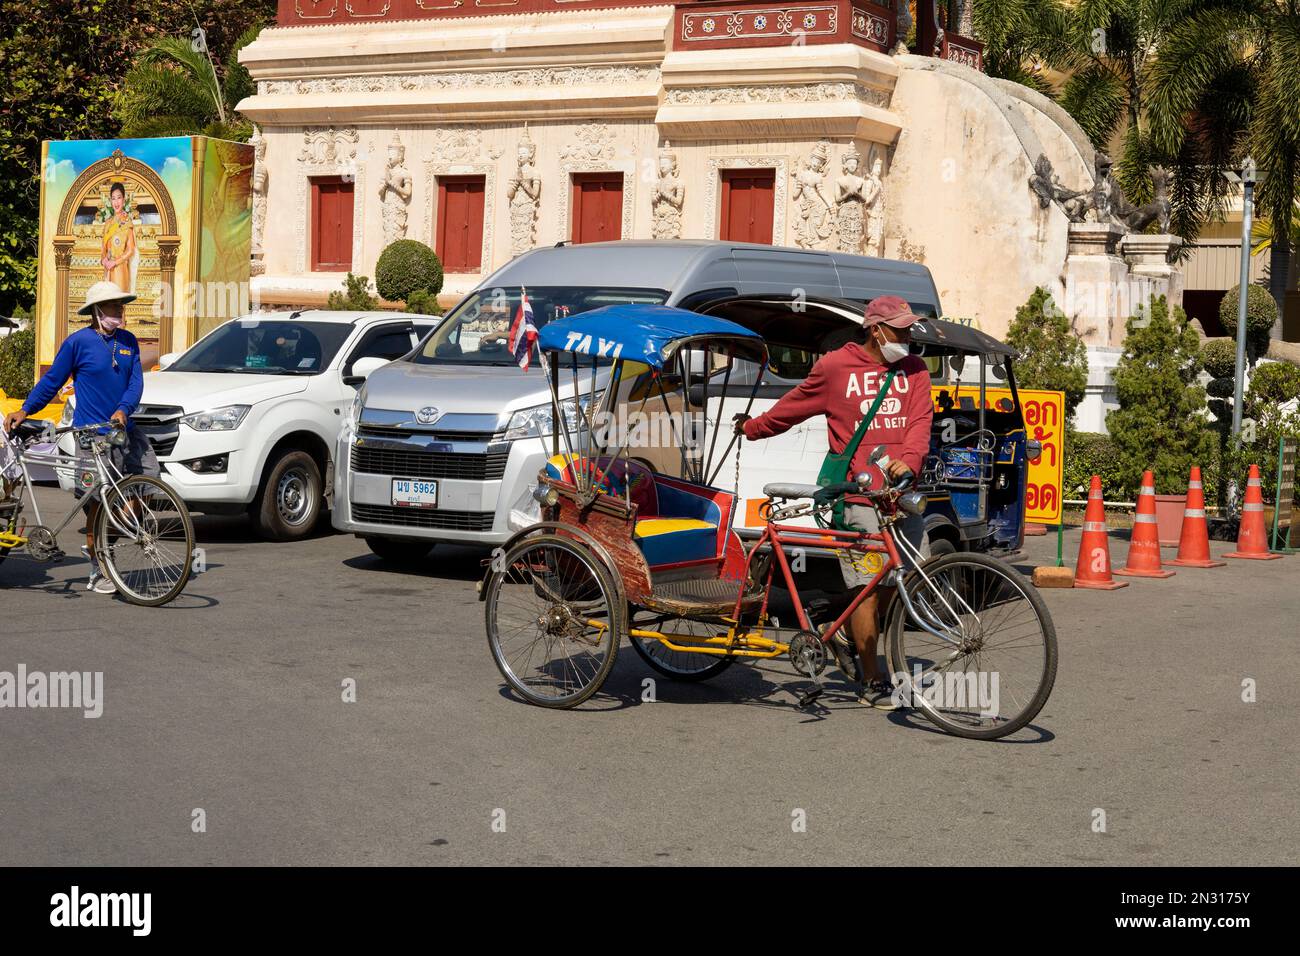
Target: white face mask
893	351
108	323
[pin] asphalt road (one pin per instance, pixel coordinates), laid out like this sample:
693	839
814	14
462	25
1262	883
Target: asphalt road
230	701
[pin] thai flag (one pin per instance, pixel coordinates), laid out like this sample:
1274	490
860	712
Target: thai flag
523	333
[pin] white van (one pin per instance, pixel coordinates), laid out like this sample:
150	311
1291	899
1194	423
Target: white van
460	418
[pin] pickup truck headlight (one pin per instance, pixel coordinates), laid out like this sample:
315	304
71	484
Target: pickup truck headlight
353	415
222	419
537	422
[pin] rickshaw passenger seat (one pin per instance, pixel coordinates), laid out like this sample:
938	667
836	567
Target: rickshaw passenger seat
562	468
677	522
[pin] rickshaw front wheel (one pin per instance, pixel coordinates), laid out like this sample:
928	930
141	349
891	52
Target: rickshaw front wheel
554	620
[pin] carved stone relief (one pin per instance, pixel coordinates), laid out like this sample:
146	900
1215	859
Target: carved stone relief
813	221
524	193
395	193
668	197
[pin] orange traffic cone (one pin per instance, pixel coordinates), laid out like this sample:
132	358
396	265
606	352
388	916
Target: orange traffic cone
1194	540
1144	546
1092	570
1252	539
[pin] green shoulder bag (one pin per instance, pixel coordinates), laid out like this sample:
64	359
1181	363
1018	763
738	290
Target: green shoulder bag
835	468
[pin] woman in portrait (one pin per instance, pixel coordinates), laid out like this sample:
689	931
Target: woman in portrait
119	241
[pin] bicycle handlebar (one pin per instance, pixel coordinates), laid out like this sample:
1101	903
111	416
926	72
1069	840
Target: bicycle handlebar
97	427
830	492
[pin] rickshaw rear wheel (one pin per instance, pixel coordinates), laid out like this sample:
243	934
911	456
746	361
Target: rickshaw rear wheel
554	620
678	665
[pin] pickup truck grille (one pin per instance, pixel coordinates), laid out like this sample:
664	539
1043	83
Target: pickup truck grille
424	518
161	424
413	463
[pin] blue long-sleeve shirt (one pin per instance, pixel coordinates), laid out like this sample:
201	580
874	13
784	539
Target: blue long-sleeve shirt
87	357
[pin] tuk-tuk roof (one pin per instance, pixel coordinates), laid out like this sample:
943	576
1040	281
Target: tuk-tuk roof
642	333
803	322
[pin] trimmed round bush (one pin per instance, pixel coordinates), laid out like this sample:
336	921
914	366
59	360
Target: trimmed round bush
1219	358
1261	311
405	267
1224	387
1275	382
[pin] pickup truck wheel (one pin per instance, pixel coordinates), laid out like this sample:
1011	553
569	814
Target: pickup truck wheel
399	550
291	499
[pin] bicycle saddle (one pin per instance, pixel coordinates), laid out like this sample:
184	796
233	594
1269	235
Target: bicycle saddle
781	490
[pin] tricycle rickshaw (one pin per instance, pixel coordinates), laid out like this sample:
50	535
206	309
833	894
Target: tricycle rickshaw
623	550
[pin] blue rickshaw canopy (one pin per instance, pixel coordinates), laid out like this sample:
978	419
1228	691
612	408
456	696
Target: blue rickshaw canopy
642	333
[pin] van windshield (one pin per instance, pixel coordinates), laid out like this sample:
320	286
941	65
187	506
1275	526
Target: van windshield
478	330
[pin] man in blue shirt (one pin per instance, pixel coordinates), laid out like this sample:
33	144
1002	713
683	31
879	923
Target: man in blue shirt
104	362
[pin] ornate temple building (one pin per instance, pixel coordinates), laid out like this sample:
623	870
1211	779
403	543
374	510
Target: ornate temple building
487	127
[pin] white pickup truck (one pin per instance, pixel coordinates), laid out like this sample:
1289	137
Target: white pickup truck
247	418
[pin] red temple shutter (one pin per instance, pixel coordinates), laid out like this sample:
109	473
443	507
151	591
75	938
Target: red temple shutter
597	207
747	198
460	223
331	224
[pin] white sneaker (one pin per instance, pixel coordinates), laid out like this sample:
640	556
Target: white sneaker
104	586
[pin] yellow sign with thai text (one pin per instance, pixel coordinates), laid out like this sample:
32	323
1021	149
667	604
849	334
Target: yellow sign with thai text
1044	413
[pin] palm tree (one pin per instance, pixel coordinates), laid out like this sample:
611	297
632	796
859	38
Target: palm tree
1261	235
1022	38
175	89
1228	81
1107	50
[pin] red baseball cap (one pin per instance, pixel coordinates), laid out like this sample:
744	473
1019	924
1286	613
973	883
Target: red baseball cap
889	309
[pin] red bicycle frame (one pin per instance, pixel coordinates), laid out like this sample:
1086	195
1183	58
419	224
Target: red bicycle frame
779	536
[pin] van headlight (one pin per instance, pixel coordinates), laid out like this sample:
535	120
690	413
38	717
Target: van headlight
538	421
222	419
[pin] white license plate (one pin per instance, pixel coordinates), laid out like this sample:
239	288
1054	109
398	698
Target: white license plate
410	493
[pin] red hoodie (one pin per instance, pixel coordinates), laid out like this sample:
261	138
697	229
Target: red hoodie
842	386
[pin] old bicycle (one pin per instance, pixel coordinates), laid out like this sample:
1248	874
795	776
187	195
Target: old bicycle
625	550
143	535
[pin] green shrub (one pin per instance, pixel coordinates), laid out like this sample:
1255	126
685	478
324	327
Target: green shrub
18	362
1088	454
407	267
356	296
1050	354
1219	358
1273	383
1160	421
423	302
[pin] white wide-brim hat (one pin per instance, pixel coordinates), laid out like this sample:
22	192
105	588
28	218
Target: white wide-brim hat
102	292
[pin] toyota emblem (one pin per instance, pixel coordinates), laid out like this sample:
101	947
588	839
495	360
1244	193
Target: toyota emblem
427	415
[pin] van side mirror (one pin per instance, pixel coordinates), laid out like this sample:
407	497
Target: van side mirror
363	368
168	359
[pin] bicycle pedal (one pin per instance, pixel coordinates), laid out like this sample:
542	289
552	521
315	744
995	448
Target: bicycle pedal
810	696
